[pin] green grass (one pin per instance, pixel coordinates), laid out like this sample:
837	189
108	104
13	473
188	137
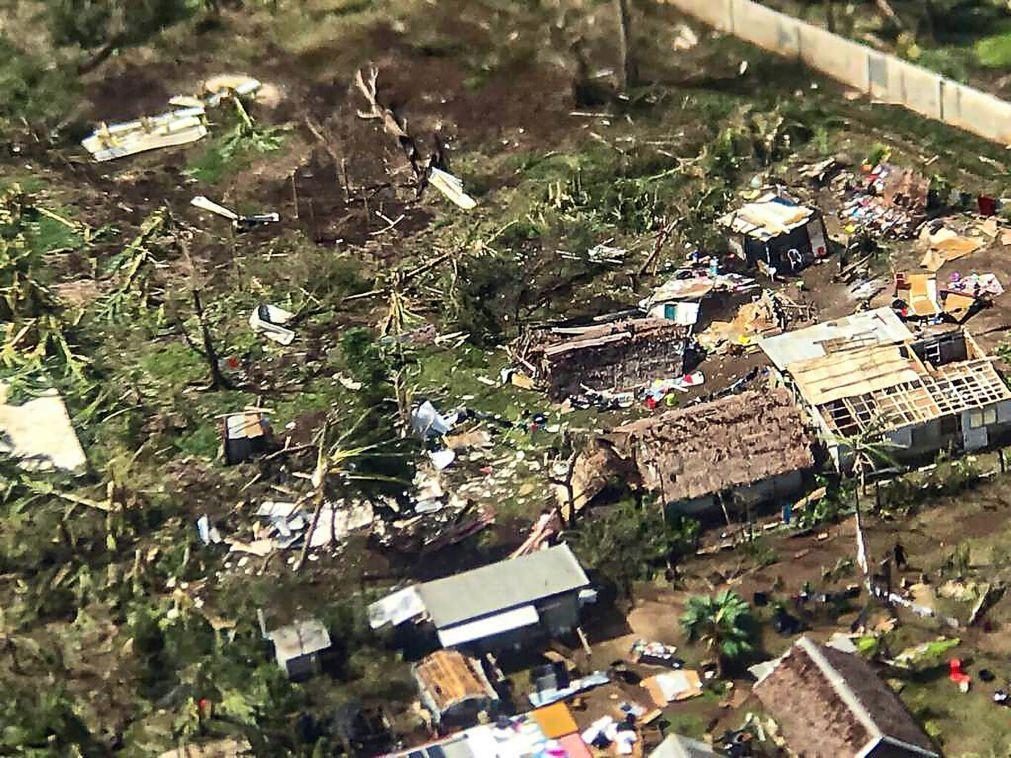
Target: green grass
995	51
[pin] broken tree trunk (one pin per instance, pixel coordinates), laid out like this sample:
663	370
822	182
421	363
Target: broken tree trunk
629	70
392	125
889	14
218	380
318	497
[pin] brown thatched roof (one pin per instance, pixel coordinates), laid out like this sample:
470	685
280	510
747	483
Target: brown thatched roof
704	449
830	703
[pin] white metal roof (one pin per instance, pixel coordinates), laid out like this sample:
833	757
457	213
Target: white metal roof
299	639
878	327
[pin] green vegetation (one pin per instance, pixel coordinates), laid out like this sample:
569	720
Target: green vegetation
723	623
630	543
995	51
30	89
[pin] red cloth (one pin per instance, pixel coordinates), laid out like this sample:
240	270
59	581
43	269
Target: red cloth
955	672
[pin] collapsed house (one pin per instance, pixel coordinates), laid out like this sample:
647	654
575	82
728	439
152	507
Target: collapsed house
752	447
868	379
453	688
830	703
776	234
616	356
694	291
502	605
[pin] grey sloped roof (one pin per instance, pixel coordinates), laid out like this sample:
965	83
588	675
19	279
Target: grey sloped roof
499	586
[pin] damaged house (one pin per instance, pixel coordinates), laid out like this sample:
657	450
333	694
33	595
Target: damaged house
502	605
872	380
830	703
454	688
753	446
776	234
617	356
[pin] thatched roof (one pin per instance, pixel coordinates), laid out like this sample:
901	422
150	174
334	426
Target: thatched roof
708	448
831	703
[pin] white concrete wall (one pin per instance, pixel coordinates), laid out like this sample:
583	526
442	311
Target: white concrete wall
716	13
879	75
765	27
833	55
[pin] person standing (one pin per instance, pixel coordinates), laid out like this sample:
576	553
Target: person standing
899	553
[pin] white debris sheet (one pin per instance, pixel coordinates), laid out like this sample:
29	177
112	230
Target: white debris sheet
181	126
451	187
428	422
39	434
267	320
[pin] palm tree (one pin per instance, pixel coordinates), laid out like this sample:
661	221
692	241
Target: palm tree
723	623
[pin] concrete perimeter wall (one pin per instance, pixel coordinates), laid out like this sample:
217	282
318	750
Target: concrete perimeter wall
880	75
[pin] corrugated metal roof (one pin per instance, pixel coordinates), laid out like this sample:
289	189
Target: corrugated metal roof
877	327
501	586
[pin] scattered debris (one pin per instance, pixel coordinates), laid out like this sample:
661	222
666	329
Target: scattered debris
686	38
171	129
888	201
178	127
239	223
551	695
655	654
268	320
918	293
208	534
427	422
673	686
